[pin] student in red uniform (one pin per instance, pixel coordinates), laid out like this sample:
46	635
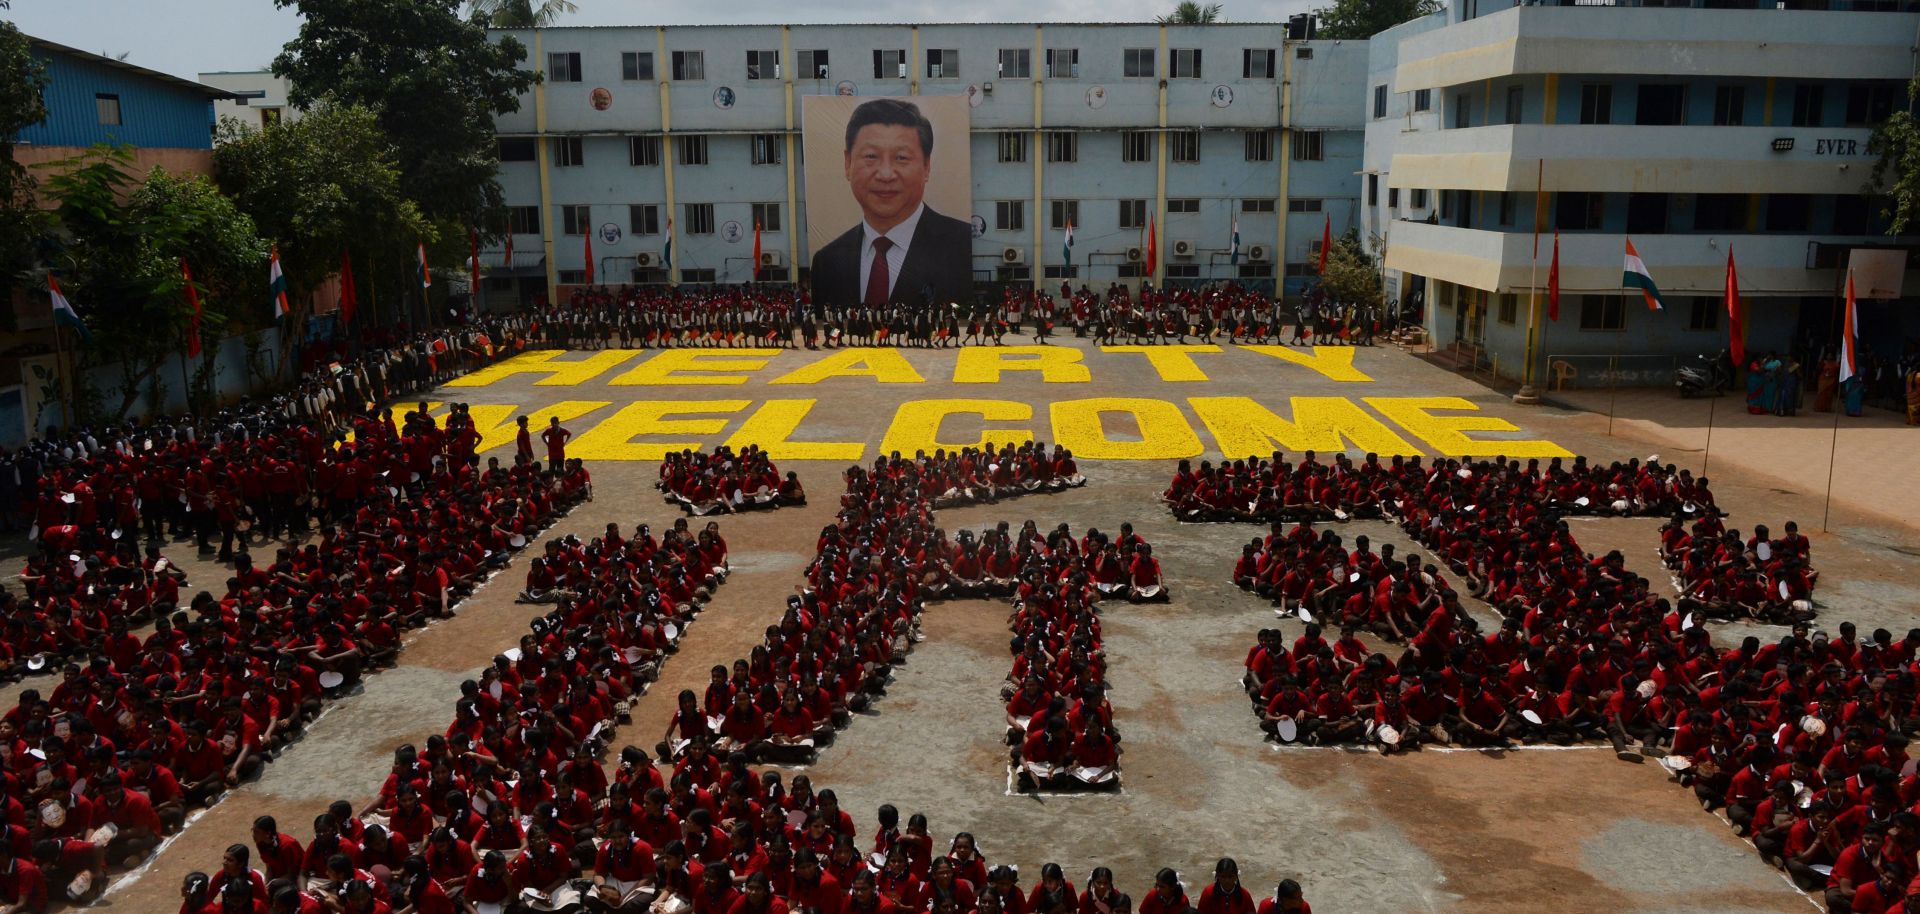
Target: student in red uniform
1287	899
1167	896
1226	895
1101	897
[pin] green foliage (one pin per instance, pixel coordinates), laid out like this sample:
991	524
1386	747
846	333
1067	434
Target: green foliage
1191	13
1358	20
519	14
1897	143
1353	276
22	80
434	82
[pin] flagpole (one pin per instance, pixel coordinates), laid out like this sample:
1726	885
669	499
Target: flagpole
1528	396
1833	452
1707	455
65	368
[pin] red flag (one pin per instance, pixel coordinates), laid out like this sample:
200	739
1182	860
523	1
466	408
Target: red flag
507	261
473	247
1736	338
1326	241
1153	247
756	250
1849	331
349	297
589	237
193	320
1553	280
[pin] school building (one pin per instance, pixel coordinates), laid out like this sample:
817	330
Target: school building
1696	128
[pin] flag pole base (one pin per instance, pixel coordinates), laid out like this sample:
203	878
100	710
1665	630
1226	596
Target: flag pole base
1527	396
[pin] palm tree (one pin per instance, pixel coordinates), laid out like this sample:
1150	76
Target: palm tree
1191	13
520	14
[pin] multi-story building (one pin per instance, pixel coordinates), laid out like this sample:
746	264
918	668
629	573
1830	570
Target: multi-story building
95	99
1695	129
258	99
1111	127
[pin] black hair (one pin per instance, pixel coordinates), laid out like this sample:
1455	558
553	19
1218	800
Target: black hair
891	112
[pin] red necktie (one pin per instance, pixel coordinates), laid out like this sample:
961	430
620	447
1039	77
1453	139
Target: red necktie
879	278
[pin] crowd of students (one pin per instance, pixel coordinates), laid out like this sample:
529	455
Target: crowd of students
703	483
1276	489
1720	576
785	316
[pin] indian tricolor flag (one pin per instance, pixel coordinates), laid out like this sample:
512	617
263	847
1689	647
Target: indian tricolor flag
1849	335
426	275
1066	247
63	312
1635	276
277	284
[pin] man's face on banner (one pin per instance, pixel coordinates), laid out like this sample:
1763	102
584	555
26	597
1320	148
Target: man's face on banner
888	173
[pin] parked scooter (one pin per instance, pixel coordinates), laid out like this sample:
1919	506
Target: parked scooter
1708	375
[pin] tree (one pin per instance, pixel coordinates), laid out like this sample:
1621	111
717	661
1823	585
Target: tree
326	183
1191	13
119	252
519	14
23	79
1352	276
433	80
1358	20
1897	143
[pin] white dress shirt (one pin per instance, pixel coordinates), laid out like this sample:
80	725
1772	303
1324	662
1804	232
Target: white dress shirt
901	235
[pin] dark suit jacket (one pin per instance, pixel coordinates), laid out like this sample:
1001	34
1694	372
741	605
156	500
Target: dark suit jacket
939	258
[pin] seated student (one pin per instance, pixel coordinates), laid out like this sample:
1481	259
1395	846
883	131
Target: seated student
1101	897
1225	895
1287	899
1167	896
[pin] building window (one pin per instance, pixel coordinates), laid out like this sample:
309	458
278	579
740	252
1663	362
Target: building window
1298	205
1719	212
1184	63
1016	63
1256	63
1703	312
1516	103
643	219
1063	147
1603	312
1418	200
1661	105
516	149
706	274
1184	146
1393	199
1010	215
763	64
813	65
768	148
1256	271
1789	212
1579	210
1380	101
698	218
1506	208
1063	63
108	108
1136	146
1508	308
1869	106
1061	271
890	64
575	219
1257	205
636	66
943	63
689	66
1137	62
1016	273
1013	146
1422	99
1183	271
1462	111
523	220
693	150
570	277
1133	214
1180	205
1647	214
1259	145
269	117
1729	106
1807	101
563	67
1302	53
1309	145
569	151
767	216
1596	103
1373	190
643	151
1065	213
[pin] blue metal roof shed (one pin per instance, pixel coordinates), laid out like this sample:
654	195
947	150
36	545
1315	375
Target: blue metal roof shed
95	99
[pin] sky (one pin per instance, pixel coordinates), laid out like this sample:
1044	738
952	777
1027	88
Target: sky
189	37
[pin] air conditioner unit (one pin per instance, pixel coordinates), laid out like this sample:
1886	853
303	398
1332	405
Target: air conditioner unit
1013	255
646	260
1257	253
1134	255
771	258
1183	249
